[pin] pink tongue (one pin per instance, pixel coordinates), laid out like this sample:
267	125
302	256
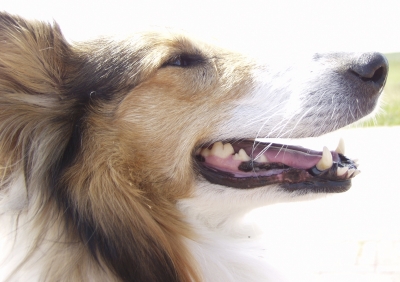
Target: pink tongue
291	158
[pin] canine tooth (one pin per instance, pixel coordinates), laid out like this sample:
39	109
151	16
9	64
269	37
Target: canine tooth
341	171
326	161
261	159
350	172
340	147
356	172
241	156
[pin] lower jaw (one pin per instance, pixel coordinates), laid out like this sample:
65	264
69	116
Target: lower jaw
300	181
314	185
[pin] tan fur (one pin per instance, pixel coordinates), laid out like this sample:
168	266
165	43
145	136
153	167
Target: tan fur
135	160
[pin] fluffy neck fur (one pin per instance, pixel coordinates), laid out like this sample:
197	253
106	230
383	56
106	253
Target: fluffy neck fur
228	246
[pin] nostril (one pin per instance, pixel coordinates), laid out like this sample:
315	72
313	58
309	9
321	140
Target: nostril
371	67
376	77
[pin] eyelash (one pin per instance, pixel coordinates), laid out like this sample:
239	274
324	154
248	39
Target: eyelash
185	61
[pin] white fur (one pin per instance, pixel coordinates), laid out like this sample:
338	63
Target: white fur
229	246
281	104
230	249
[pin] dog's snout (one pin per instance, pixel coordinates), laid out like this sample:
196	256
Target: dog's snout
371	67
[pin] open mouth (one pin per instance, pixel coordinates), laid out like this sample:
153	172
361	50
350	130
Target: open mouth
250	164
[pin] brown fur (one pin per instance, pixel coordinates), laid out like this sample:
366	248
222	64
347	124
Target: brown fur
104	134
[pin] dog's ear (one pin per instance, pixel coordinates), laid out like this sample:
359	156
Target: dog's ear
32	56
32	69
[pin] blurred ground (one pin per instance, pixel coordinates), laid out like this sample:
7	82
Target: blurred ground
353	236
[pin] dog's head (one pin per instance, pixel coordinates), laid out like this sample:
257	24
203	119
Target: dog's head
112	133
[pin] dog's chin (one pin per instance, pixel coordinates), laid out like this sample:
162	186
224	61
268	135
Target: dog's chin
251	164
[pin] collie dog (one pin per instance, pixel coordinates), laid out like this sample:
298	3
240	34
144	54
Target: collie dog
136	160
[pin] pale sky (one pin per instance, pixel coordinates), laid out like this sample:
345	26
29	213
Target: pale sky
259	26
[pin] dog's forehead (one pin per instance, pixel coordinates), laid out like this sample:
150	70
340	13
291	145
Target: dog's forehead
170	43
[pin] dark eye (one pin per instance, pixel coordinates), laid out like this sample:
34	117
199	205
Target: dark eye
185	61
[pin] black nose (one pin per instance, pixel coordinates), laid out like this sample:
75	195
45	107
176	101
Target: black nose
371	67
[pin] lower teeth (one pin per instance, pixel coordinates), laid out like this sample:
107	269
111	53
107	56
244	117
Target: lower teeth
335	172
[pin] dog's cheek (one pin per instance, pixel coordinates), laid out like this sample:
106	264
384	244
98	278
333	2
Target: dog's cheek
160	133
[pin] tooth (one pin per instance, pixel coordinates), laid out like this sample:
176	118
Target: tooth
241	156
222	151
326	161
261	159
350	172
205	152
228	149
341	170
340	147
217	147
357	172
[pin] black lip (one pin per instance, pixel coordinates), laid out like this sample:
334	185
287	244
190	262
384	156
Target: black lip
319	186
312	184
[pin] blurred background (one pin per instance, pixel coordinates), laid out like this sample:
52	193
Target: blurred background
354	236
